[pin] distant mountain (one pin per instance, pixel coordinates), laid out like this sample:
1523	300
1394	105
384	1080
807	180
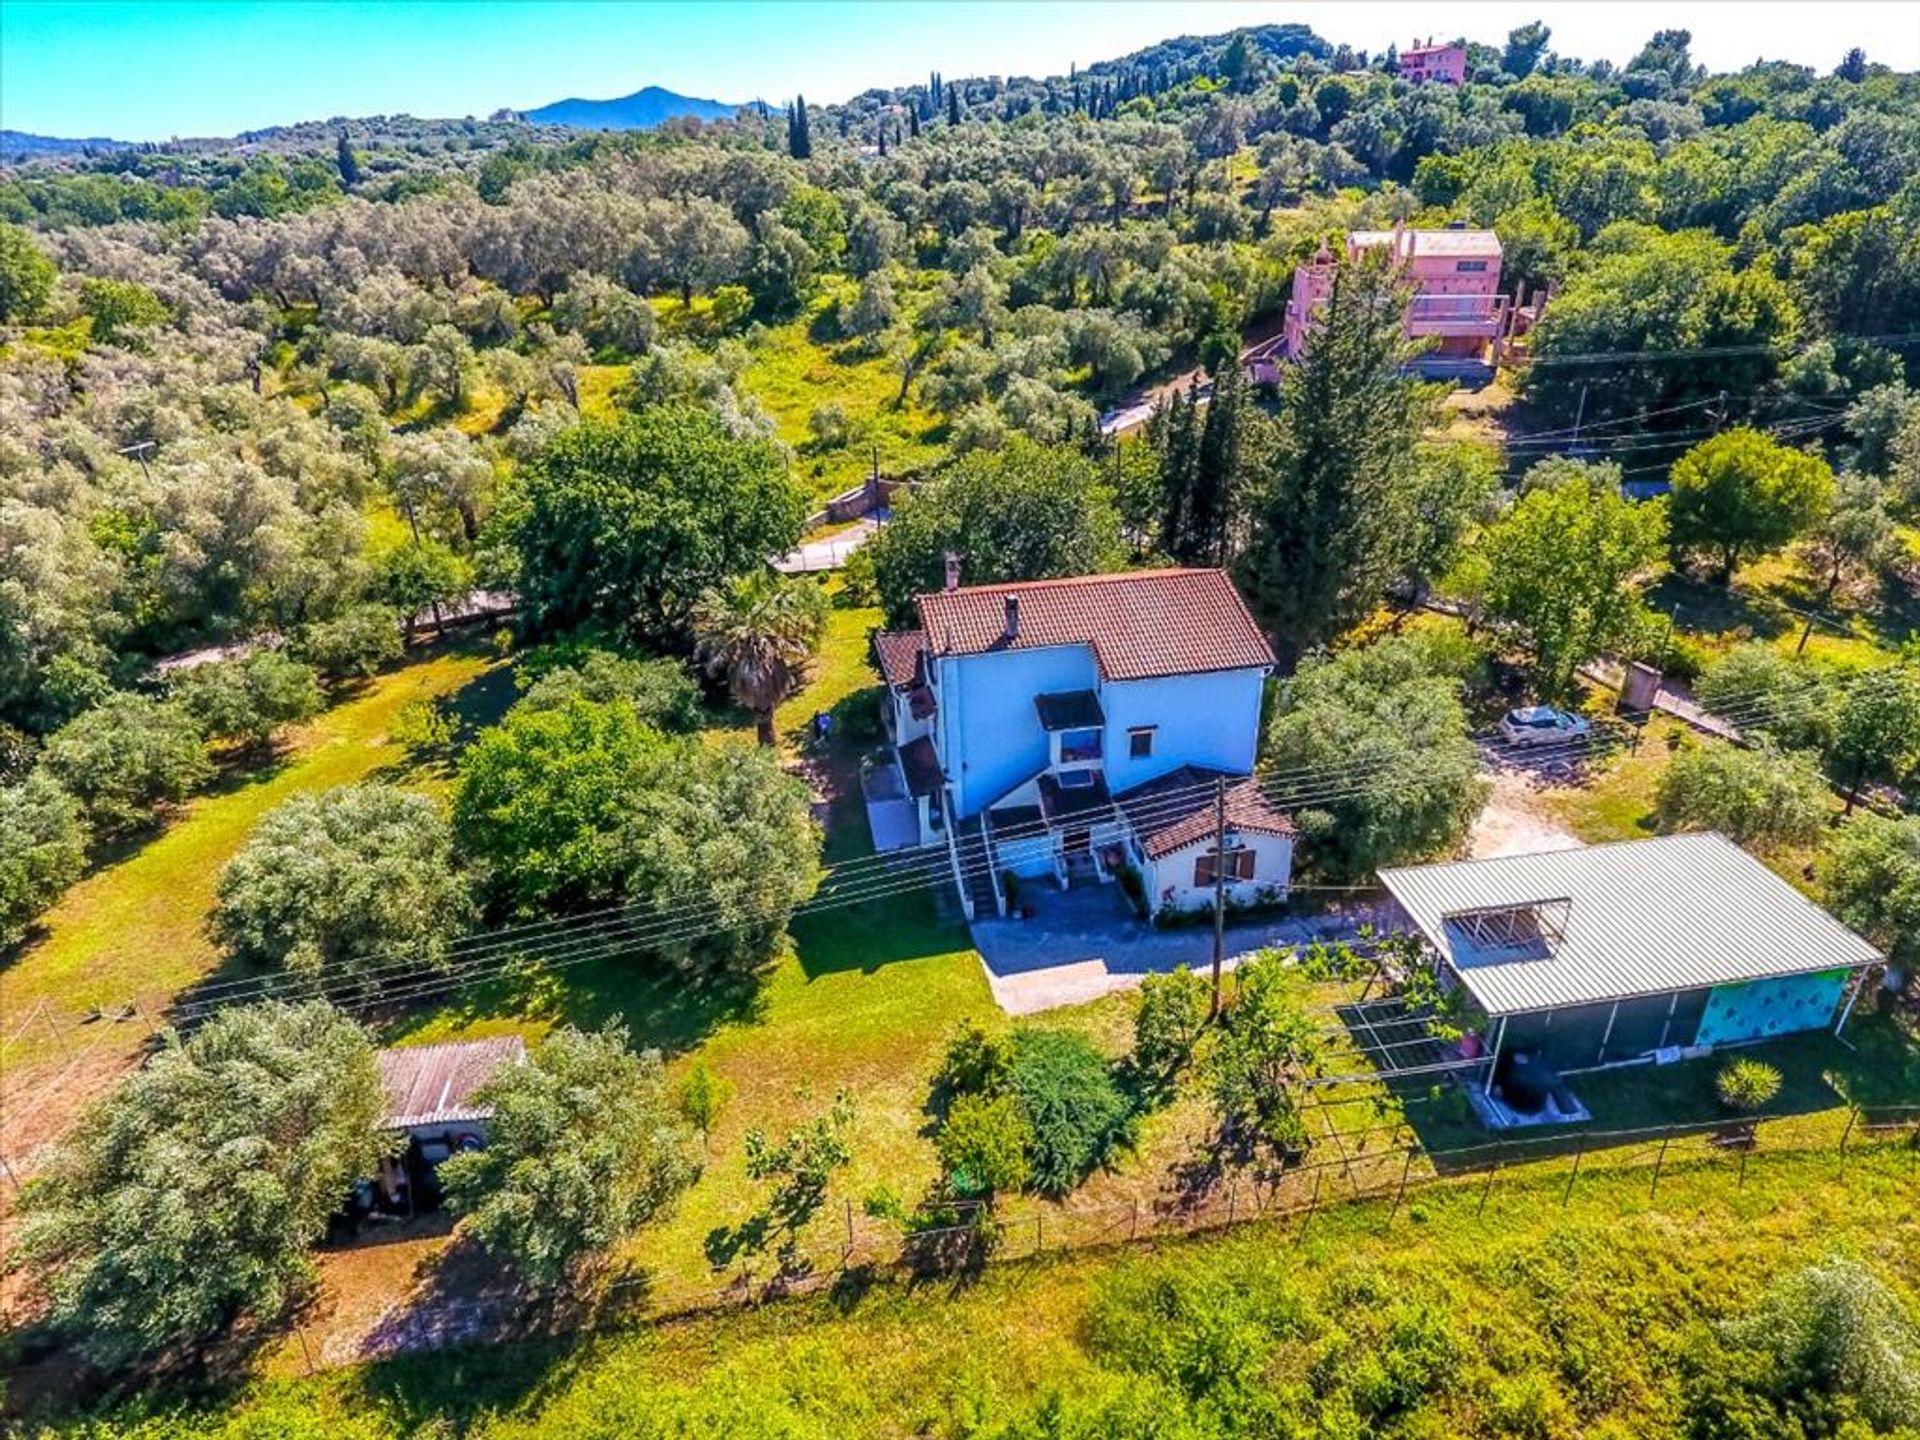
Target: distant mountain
18	145
641	110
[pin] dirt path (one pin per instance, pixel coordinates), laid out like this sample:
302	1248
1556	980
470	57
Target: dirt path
1515	823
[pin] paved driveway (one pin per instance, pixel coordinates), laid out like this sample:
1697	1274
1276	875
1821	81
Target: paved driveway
1084	943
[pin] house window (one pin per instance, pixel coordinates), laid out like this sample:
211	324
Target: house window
1079	746
1471	267
1140	742
1239	865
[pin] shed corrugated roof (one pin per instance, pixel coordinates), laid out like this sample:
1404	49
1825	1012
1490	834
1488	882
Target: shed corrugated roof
1641	917
433	1084
1140	624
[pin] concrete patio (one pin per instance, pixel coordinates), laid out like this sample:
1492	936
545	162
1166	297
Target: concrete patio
1086	942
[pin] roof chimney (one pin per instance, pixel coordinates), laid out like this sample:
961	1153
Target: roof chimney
953	569
1013	617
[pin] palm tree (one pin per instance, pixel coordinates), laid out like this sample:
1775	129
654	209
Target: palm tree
759	632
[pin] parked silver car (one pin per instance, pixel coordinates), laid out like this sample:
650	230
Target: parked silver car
1542	725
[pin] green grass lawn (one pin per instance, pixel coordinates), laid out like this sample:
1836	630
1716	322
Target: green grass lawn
136	926
1558	1311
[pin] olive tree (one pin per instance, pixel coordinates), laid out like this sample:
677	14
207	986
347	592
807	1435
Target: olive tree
186	1199
332	882
128	756
249	699
1762	796
43	847
585	1146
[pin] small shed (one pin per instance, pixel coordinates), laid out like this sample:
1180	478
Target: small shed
1616	952
430	1100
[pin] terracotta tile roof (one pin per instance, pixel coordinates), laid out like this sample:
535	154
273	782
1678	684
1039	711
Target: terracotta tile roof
1177	809
895	649
1139	623
433	1084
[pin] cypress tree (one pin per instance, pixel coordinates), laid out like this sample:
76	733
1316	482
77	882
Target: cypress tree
953	106
1217	467
799	137
883	139
1179	455
1338	516
913	123
349	166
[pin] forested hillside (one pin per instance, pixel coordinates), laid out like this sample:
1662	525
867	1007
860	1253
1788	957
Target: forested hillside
281	415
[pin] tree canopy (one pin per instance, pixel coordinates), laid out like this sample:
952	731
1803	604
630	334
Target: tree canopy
186	1199
627	521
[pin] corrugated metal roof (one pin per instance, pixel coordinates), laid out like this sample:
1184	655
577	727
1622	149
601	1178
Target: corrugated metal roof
1639	917
431	1084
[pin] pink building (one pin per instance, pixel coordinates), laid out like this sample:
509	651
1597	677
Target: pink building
1455	276
1440	64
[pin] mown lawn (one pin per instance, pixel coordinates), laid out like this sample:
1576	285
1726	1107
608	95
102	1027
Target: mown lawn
1557	1311
136	926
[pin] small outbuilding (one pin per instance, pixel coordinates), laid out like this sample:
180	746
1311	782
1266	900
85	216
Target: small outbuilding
430	1101
1654	948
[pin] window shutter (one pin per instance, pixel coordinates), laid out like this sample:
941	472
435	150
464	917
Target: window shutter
1203	870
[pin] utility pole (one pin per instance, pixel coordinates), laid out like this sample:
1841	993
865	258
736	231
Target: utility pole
1219	888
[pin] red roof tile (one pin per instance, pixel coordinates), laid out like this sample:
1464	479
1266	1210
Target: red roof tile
1177	809
895	650
1140	623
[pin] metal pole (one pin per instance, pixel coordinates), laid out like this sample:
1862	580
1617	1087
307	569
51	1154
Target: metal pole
1607	1034
59	1038
1658	1161
1493	1060
1219	888
1846	1013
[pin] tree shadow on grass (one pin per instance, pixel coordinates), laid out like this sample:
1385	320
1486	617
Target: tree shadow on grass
659	1009
471	1337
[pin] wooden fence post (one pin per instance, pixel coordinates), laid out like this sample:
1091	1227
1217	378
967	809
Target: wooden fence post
1313	1205
848	1253
1853	1114
1039	1234
301	1333
1133	1226
1658	1161
1401	1193
1493	1168
1579	1154
1233	1188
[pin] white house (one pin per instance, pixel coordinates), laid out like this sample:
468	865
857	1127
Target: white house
1080	728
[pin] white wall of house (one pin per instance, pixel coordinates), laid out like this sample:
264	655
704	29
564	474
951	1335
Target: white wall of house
987	730
905	727
1211	720
1169	879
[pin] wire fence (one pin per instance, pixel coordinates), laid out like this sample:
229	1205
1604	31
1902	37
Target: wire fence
852	1250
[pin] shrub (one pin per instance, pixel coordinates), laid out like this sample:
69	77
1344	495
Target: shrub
1791	702
43	846
983	1145
701	1096
126	757
1758	797
356	642
1077	1111
334	881
978	1062
1746	1084
1168	1020
583	1148
247	700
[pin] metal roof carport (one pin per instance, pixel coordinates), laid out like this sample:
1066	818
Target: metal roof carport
1607	925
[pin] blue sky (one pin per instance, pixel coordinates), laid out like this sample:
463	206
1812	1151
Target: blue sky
148	69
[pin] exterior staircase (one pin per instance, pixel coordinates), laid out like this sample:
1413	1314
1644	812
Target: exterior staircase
980	876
